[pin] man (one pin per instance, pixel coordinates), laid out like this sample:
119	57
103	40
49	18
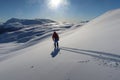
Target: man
55	38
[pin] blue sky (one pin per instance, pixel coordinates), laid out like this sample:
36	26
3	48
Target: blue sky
68	10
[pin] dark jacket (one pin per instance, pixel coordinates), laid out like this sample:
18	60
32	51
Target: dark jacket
55	36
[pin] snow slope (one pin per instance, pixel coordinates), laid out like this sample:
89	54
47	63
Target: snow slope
88	53
29	34
101	33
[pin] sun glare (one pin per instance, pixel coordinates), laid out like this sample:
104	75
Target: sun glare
54	4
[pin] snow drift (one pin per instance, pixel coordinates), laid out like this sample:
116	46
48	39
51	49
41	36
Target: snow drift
88	53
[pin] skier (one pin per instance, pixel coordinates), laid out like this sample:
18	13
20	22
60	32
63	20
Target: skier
55	38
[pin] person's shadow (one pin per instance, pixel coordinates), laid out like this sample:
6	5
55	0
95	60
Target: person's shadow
55	52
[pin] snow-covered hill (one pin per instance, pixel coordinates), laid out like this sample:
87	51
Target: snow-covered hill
29	21
101	33
16	24
91	52
21	33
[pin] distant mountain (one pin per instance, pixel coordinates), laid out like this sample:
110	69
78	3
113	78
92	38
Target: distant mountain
23	30
16	24
29	21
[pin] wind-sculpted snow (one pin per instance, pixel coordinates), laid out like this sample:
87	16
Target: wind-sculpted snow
27	35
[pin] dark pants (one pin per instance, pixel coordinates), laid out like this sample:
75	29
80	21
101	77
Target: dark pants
56	44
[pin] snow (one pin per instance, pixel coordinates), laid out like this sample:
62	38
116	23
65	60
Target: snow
90	52
28	35
99	33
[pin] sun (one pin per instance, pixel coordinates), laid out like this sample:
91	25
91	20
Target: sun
54	4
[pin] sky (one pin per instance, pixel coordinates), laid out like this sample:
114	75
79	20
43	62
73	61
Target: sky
58	10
